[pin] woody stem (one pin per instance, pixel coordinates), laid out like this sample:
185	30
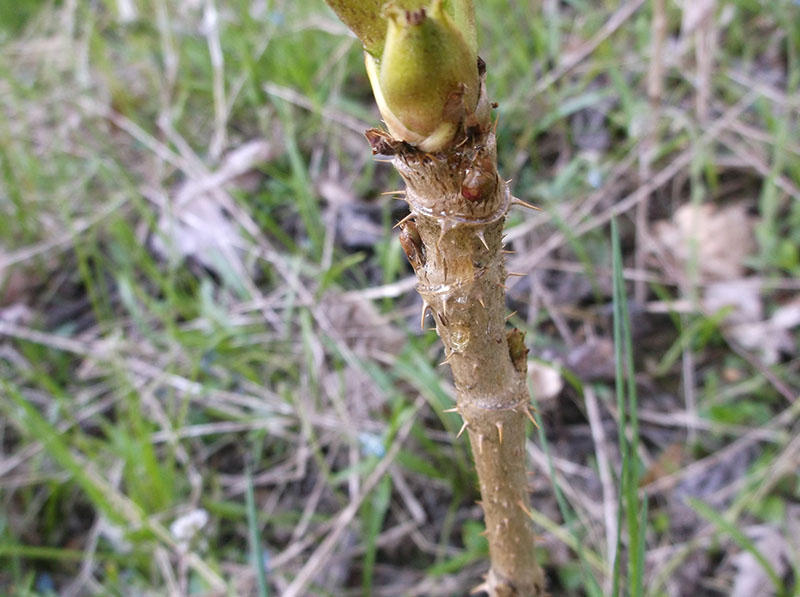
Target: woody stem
454	243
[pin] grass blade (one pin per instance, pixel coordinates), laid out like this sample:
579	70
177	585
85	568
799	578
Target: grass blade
740	538
628	417
256	550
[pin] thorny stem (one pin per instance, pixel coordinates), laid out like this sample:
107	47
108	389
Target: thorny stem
453	240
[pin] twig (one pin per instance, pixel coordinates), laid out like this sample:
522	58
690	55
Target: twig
662	177
323	553
211	30
614	22
606	481
655	89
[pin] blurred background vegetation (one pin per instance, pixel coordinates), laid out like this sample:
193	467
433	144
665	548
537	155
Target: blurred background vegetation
212	377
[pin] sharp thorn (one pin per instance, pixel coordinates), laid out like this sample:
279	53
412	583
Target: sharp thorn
451	410
481	588
516	275
482	238
484	533
531	417
400	192
447	225
404	220
510	315
507	252
499	426
480	300
521	203
446	360
525	509
425	307
460	431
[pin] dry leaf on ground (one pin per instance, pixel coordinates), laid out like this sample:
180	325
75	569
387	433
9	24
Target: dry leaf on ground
195	223
745	322
717	239
751	579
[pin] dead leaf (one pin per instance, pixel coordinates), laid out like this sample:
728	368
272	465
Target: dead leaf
546	380
719	239
751	579
745	322
772	336
668	463
195	223
742	297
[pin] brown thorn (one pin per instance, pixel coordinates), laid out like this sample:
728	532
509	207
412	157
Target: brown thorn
446	360
521	203
531	417
460	431
399	192
447	225
509	316
484	533
480	443
525	509
508	252
482	238
404	220
425	308
384	161
499	426
516	275
481	588
480	300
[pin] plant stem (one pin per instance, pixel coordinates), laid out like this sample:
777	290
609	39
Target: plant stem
453	239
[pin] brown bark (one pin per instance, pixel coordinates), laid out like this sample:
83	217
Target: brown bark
453	239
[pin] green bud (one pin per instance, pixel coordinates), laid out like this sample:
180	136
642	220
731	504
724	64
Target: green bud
426	80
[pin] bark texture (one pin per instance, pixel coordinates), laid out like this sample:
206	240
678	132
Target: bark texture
453	239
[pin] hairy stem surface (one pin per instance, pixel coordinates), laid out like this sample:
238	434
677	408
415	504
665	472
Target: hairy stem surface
453	240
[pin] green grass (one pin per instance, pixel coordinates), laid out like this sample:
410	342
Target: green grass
255	382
